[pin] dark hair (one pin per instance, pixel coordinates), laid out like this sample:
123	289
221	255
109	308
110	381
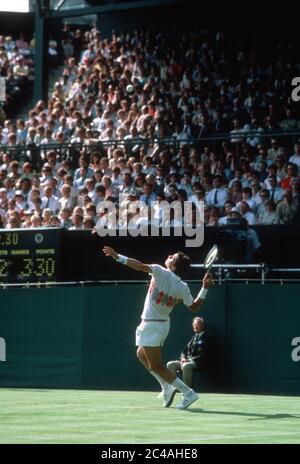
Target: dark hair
183	194
271	204
100	188
247	190
182	264
220	178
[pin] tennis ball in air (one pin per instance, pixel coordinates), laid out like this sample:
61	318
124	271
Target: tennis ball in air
130	88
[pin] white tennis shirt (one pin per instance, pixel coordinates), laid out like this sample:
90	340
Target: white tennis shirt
165	291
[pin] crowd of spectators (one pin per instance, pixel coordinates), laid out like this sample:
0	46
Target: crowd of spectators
140	109
16	67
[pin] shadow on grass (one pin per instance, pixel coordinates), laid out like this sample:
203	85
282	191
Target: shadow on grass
254	416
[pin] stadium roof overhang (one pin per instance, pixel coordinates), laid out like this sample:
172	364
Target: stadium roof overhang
67	8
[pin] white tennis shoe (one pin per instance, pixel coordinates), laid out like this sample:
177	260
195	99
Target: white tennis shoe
187	400
160	395
168	396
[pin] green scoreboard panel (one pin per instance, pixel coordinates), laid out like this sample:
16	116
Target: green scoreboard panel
31	255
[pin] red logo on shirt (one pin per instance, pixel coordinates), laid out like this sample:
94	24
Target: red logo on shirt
161	297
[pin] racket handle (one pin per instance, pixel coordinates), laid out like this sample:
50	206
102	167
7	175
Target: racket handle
208	270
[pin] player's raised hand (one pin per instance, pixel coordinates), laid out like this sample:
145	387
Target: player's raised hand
207	280
108	251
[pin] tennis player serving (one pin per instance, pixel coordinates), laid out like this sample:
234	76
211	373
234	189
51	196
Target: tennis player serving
166	290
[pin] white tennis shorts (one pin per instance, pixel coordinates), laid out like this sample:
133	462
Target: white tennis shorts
152	333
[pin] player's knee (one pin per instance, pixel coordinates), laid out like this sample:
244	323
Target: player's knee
140	354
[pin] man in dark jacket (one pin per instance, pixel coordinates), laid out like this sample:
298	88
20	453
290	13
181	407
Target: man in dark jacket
194	356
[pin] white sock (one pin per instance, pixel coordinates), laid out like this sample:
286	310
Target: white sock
182	387
163	383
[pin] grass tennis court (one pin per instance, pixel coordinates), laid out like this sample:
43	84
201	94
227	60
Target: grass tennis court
83	416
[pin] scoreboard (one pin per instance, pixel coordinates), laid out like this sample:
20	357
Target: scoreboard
31	255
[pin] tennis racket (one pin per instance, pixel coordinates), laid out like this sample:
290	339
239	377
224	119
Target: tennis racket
211	257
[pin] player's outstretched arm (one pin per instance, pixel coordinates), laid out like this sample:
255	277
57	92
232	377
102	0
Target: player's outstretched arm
133	263
198	301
